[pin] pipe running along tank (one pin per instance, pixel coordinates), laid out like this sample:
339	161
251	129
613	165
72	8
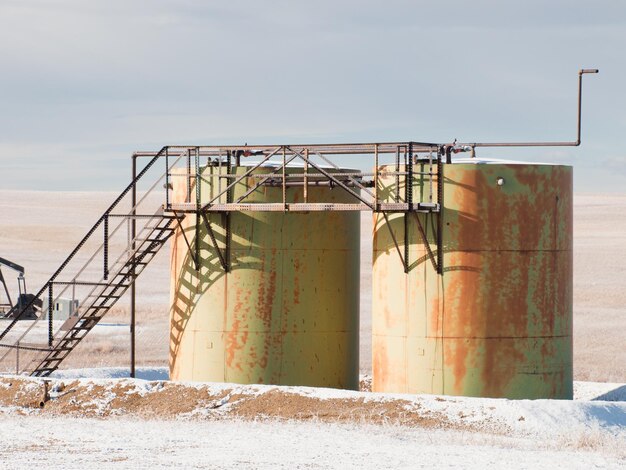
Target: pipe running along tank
498	321
287	311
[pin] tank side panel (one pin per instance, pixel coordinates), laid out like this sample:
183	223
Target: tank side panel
499	320
287	312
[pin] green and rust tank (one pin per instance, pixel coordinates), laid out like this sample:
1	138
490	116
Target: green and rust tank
498	321
287	312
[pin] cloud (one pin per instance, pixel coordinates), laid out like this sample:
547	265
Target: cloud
121	75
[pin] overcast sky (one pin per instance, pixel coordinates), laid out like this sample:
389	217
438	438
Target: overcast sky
85	83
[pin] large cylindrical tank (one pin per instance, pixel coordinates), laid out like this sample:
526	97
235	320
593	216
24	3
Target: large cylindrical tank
498	321
287	312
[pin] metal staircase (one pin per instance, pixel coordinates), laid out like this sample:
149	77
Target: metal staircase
97	272
97	283
105	295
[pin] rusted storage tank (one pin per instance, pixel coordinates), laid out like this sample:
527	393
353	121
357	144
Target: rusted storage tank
287	311
498	321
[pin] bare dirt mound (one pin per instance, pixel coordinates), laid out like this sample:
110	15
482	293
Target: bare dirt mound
167	400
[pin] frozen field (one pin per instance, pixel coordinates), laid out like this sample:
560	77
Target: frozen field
152	423
158	424
38	229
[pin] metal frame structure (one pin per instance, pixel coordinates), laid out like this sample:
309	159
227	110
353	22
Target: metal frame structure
409	158
322	164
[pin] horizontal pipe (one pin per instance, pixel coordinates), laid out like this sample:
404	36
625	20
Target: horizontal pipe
521	144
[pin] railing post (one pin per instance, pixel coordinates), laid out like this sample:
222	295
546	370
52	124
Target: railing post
133	234
229	200
306	179
440	213
189	175
408	199
430	176
50	313
398	174
167	179
198	201
376	206
105	248
198	179
284	179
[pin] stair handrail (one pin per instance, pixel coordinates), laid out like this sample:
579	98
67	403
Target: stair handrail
118	226
80	244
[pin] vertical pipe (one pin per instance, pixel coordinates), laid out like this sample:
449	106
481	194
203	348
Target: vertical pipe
133	234
580	95
17	359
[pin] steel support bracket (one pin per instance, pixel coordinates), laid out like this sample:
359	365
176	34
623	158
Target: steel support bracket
220	255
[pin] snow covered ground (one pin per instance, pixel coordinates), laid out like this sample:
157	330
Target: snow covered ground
98	418
105	420
88	443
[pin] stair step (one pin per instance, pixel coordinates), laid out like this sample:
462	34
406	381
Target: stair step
118	286
54	359
109	296
112	288
91	317
67	340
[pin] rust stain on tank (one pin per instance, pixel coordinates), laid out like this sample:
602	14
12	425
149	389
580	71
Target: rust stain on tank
505	302
233	345
460	298
296	281
267	290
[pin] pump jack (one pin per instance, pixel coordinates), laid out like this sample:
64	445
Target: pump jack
10	310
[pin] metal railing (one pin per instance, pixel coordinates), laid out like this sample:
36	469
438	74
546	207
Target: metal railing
84	280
